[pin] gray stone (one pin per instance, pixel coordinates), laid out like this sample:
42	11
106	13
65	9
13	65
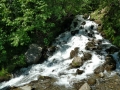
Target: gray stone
77	61
33	54
85	86
74	52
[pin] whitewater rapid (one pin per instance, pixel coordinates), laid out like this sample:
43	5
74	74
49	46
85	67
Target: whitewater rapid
57	66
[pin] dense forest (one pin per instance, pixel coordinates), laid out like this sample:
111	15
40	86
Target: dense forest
23	22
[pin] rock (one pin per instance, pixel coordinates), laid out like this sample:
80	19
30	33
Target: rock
101	74
86	56
83	23
91	81
91	27
110	63
90	45
85	16
85	86
103	34
99	69
44	54
90	34
99	41
75	24
77	85
78	71
112	49
51	50
74	32
67	20
74	52
77	62
33	54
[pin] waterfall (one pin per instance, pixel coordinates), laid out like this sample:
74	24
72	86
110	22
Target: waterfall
58	65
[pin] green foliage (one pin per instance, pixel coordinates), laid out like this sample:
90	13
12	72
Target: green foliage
111	21
3	72
31	21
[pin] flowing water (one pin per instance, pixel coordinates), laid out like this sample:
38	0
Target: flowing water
58	65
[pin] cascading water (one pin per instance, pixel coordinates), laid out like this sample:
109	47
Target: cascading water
58	65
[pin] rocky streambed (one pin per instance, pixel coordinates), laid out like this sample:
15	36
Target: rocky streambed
79	59
94	82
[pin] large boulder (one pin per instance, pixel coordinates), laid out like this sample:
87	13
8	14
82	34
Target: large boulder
77	62
33	54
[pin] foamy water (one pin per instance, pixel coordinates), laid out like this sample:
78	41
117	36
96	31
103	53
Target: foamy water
57	66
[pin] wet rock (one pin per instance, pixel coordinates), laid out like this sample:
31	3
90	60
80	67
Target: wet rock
83	23
47	83
75	24
74	52
99	69
77	62
103	34
99	41
110	67
110	63
33	54
51	50
74	32
77	85
85	16
85	86
91	27
81	27
90	34
112	49
101	74
92	19
86	56
91	81
44	54
78	71
90	45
